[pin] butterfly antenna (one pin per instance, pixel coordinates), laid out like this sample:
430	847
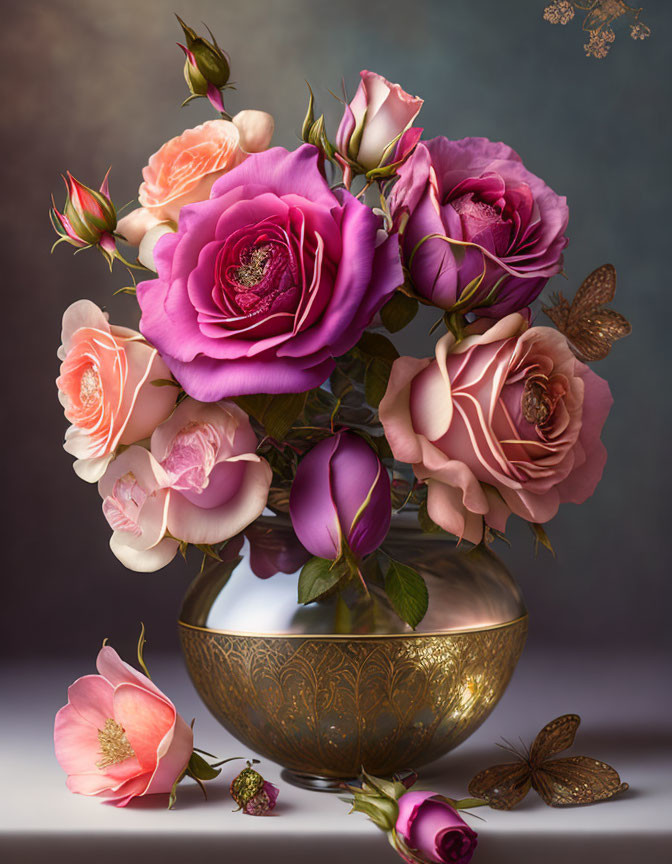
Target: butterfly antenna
526	749
509	748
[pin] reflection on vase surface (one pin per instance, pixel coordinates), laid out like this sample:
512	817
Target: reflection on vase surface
327	688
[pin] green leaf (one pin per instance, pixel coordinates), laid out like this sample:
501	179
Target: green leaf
164	382
541	537
199	769
318	577
173	792
141	651
468	803
375	380
377	345
399	311
407	592
342	617
275	413
209	551
427	524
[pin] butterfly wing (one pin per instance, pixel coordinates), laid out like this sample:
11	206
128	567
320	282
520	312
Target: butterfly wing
595	291
576	780
555	737
502	786
592	340
558	312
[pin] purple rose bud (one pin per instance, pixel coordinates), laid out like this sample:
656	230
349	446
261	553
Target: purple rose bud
433	828
341	492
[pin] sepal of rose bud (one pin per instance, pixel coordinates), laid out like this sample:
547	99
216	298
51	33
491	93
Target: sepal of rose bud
396	154
253	795
382	811
88	215
207	69
314	132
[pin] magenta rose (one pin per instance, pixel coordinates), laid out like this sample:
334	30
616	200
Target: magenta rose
269	280
509	226
341	491
430	826
505	421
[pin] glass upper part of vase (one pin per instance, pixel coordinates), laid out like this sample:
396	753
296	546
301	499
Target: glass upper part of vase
254	588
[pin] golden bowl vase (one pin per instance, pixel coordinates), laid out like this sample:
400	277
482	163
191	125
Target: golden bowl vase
327	689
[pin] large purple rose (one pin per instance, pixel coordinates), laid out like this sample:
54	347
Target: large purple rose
509	226
267	281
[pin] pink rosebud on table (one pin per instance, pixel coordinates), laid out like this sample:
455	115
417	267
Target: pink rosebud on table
119	737
376	127
341	494
429	826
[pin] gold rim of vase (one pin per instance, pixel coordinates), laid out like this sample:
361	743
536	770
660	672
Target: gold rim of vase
340	636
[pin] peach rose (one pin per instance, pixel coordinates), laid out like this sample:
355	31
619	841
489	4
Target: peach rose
119	737
184	169
106	389
505	421
217	483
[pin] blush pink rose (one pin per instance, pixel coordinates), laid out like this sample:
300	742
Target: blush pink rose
135	504
119	737
106	389
217	484
380	114
505	421
183	170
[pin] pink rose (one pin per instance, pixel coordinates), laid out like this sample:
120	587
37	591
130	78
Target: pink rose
119	737
430	826
184	168
135	497
217	483
106	389
505	421
201	483
379	115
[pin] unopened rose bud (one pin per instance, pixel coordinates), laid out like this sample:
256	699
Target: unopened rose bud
207	69
341	497
89	218
376	130
253	795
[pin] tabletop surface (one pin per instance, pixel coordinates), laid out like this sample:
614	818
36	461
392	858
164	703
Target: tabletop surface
625	704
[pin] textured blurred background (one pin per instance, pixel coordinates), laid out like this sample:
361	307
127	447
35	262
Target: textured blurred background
90	84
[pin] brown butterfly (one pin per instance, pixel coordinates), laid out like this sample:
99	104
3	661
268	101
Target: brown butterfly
590	328
559	782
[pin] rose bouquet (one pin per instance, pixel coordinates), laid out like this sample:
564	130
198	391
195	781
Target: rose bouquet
260	376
